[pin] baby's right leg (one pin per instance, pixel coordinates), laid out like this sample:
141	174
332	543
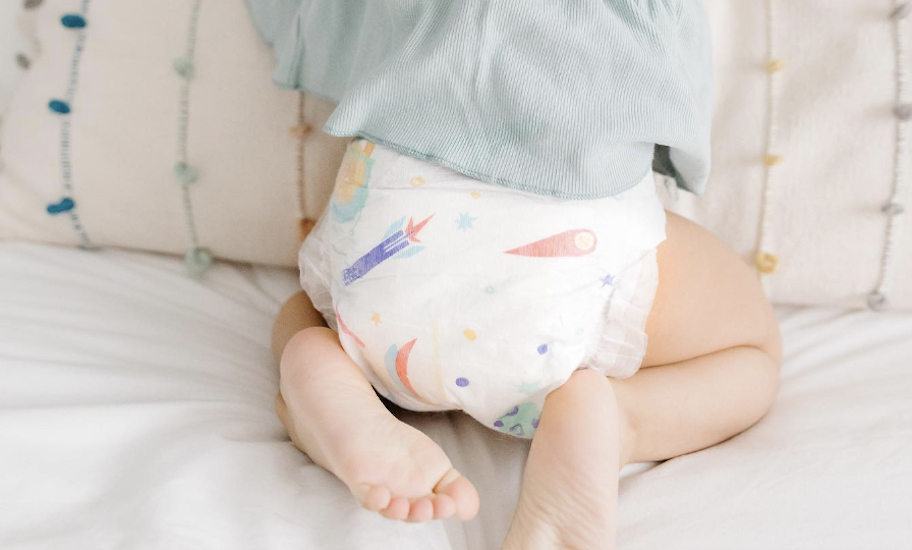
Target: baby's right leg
332	414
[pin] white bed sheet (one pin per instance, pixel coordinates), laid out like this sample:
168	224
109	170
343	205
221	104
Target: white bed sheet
136	412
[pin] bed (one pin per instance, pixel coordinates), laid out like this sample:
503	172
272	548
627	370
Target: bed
136	412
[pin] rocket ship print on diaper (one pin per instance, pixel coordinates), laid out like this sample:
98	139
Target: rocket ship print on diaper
397	242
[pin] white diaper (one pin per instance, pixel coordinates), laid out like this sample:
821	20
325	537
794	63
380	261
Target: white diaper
453	293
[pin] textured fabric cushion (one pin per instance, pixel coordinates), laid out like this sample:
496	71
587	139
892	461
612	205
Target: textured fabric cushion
124	135
836	133
17	45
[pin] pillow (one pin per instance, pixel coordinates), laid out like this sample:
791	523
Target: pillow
155	125
17	44
812	156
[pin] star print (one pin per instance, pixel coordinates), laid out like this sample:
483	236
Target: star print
607	280
465	221
375	318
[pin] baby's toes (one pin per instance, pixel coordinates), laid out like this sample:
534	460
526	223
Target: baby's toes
421	510
377	498
398	508
463	493
444	506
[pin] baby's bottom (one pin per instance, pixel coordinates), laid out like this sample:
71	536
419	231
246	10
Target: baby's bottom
713	359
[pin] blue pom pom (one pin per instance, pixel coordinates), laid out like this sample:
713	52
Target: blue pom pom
184	68
185	173
198	261
65	205
73	21
60	107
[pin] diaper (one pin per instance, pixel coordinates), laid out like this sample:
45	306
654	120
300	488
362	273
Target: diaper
453	293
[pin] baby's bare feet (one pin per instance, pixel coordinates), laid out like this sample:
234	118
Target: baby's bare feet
333	415
569	490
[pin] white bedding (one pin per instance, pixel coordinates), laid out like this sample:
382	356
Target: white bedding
136	412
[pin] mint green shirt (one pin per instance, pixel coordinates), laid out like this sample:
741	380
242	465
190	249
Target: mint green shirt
569	98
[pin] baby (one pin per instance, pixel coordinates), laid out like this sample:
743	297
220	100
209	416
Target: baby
494	244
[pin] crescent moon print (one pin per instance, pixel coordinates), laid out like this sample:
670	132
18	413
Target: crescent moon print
575	242
397	365
402	366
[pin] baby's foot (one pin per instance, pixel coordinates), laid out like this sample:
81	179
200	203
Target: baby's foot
333	415
569	490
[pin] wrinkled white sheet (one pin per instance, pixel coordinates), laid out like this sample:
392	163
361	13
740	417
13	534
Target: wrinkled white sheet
136	412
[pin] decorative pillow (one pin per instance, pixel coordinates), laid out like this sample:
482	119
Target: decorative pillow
811	147
155	125
17	44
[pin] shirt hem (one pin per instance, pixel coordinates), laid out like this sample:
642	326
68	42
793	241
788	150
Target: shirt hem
474	173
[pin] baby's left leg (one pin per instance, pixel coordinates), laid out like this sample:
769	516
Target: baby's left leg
573	466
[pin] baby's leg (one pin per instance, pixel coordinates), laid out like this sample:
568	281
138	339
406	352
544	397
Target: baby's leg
714	354
570	484
333	415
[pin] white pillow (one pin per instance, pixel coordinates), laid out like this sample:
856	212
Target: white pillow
17	44
835	130
124	135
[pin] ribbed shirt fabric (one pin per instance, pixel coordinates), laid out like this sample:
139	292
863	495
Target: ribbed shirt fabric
570	98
